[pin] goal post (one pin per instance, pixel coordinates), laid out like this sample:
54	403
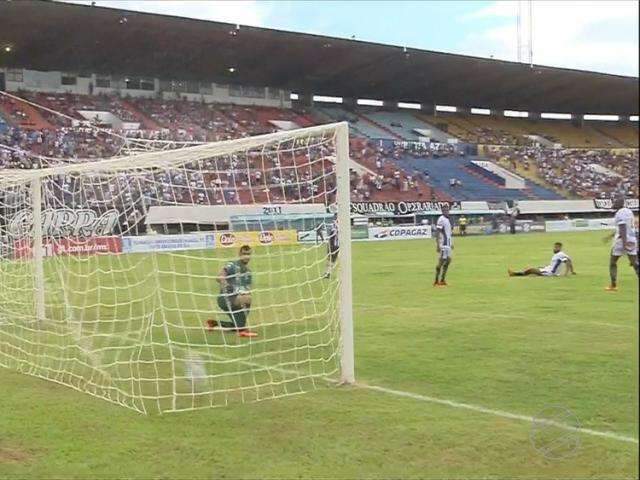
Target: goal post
38	250
110	271
344	232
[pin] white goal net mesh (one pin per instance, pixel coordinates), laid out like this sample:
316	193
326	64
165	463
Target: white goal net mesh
110	272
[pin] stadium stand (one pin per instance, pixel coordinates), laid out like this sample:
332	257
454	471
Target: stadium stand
389	179
393	173
401	125
71	105
566	134
473	167
63	143
22	115
438	134
576	173
357	122
460	180
180	120
455	125
496	130
625	135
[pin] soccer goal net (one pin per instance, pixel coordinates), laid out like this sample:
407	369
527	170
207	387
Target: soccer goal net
123	278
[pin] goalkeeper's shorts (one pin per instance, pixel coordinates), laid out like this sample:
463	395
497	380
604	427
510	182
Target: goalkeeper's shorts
225	302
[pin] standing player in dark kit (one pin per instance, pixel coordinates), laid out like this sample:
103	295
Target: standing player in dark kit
333	247
319	233
235	281
513	217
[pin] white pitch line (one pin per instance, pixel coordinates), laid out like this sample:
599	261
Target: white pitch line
441	401
500	413
364	306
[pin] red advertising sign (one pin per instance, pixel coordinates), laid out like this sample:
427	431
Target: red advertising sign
70	246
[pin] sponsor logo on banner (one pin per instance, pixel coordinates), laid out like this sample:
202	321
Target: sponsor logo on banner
607	203
399	208
521	226
70	246
168	243
66	222
266	238
579	224
399	233
256	239
227	239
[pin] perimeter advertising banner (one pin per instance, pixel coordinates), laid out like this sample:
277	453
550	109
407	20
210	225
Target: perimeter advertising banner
66	222
578	224
399	208
168	243
607	203
256	239
69	246
399	233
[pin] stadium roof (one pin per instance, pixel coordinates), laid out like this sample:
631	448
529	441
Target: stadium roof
53	36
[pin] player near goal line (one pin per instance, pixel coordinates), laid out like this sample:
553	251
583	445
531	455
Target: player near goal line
333	247
235	281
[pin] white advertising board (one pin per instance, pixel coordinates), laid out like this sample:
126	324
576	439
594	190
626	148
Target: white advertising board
399	233
168	243
579	224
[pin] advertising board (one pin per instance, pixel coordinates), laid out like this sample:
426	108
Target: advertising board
168	243
399	233
256	239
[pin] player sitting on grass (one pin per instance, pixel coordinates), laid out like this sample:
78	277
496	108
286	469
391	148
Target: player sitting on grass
444	245
624	242
551	270
235	295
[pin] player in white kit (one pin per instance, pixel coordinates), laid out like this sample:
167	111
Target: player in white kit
553	269
624	241
444	245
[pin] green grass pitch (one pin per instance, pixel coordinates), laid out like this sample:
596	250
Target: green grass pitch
512	345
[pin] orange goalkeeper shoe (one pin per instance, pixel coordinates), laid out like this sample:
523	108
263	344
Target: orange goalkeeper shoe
611	288
247	333
443	284
211	325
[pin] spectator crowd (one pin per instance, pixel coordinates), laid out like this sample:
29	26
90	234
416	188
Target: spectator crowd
583	173
295	175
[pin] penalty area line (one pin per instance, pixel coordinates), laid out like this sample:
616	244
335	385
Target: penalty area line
498	413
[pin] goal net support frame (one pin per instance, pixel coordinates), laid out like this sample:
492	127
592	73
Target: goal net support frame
26	354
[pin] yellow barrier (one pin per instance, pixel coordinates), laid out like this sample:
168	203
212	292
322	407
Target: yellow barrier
256	239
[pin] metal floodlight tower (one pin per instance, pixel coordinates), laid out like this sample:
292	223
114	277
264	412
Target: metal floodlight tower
524	29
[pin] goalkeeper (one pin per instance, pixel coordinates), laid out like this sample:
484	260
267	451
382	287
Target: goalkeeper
235	294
